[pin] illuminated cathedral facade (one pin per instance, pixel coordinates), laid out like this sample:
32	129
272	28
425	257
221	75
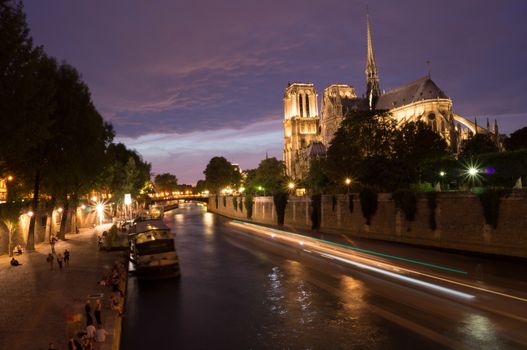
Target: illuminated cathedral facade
307	134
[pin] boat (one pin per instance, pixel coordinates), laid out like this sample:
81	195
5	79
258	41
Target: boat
152	250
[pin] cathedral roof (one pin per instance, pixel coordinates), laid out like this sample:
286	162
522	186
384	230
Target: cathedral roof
316	149
354	104
421	89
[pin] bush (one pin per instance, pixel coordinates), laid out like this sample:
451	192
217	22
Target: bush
280	203
406	201
431	199
249	206
490	200
235	203
316	211
368	203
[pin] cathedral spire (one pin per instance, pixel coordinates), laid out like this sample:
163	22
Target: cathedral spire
373	90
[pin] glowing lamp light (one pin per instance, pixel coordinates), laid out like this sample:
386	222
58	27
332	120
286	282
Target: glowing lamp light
83	207
242	189
10	178
472	171
30	213
59	210
94	198
442	173
347	181
291	185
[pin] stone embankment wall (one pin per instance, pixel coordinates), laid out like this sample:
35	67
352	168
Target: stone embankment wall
46	223
460	223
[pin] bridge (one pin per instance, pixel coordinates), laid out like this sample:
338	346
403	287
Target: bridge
187	198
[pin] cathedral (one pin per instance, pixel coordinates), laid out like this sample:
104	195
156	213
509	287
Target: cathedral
307	134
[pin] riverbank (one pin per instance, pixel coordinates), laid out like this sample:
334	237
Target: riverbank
445	220
40	305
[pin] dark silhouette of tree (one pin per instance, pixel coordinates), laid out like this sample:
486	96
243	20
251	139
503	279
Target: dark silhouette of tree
270	176
166	182
478	144
517	140
220	173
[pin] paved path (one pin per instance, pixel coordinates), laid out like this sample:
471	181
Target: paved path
35	302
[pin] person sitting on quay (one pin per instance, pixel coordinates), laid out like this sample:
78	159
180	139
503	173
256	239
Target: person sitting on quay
18	249
14	262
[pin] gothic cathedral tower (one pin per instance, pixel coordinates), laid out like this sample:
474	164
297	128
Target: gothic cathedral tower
373	90
301	126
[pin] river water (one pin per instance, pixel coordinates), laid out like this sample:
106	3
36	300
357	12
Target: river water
234	294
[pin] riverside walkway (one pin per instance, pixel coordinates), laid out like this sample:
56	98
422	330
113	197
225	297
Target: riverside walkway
39	305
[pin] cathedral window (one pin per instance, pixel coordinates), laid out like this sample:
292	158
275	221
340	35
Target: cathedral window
307	106
301	105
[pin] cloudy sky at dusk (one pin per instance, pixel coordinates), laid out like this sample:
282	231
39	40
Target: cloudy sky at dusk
183	81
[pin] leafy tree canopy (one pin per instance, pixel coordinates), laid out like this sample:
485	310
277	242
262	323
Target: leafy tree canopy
517	140
220	173
166	182
478	144
269	176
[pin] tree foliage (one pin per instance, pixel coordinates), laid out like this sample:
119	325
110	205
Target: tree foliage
220	173
371	149
166	182
517	140
478	144
270	175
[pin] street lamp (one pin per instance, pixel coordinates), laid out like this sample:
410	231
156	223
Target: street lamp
442	173
291	186
348	182
473	171
100	212
10	178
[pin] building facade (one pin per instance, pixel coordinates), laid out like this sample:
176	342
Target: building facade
308	135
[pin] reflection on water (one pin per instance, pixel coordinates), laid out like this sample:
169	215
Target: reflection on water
236	295
480	328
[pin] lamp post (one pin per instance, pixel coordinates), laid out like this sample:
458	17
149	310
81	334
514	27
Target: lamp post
442	175
348	182
291	186
100	212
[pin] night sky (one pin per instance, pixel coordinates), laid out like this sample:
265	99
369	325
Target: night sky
183	81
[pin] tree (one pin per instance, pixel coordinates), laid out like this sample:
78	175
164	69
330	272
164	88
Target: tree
317	180
517	140
9	215
24	94
363	149
478	144
201	186
374	152
79	138
165	182
124	172
415	144
220	173
270	176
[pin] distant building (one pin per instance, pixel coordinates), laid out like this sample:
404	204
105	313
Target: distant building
307	134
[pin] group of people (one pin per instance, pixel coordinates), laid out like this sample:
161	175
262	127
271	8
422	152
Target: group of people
62	259
17	251
94	332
